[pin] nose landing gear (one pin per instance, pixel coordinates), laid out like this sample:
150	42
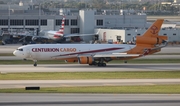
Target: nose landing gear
35	63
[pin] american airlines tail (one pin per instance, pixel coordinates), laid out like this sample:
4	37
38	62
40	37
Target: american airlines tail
61	30
150	42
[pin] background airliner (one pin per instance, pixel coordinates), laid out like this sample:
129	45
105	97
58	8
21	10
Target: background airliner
96	54
54	35
59	35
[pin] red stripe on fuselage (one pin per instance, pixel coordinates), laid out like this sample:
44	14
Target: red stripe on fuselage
92	51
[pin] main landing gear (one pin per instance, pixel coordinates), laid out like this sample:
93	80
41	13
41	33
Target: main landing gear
35	63
99	64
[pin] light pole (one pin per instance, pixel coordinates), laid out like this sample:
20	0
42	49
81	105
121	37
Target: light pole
39	9
39	16
9	16
9	9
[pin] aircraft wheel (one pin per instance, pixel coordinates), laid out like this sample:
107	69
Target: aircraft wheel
99	65
93	63
90	64
35	64
104	64
125	61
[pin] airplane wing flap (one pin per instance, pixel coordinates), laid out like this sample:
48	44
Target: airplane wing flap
116	55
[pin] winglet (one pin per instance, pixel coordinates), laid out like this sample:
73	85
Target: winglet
154	29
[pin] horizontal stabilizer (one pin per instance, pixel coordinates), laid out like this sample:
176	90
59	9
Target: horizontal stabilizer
116	55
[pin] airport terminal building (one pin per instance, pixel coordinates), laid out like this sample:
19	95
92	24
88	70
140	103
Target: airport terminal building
114	25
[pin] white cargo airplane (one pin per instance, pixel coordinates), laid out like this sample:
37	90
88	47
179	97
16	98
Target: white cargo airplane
96	54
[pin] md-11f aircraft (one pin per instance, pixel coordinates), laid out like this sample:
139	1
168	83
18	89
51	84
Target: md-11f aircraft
96	54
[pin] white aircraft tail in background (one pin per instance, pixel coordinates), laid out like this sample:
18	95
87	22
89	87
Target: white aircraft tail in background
57	35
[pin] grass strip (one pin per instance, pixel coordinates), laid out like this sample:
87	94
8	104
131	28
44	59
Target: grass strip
143	89
90	75
6	54
114	61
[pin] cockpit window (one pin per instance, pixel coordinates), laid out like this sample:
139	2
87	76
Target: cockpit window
20	49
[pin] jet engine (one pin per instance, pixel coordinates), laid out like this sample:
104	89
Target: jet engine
85	60
148	40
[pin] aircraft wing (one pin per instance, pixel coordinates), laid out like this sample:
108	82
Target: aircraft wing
77	34
116	55
22	35
73	35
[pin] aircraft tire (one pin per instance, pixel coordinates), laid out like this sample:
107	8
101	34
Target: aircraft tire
90	64
99	64
35	65
125	61
104	64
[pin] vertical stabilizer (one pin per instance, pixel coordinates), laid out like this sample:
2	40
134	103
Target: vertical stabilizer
154	29
150	42
61	30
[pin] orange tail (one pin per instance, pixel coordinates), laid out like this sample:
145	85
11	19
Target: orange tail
151	37
150	42
154	29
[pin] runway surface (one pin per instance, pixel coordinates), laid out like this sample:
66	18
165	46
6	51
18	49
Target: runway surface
87	68
8	99
8	48
75	83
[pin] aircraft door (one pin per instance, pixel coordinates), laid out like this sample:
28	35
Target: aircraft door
104	36
118	38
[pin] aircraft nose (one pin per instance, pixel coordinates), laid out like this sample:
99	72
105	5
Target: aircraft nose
14	52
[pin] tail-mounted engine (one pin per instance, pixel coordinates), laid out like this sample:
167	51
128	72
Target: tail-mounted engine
150	40
85	60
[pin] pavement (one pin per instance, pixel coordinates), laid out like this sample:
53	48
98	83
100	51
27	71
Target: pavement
57	99
87	68
91	82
